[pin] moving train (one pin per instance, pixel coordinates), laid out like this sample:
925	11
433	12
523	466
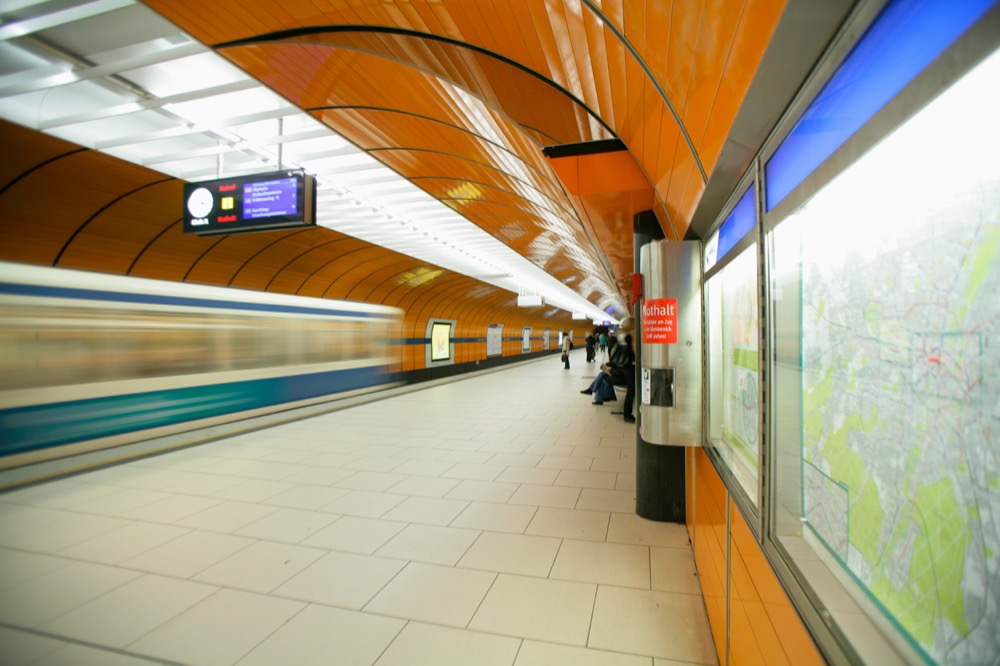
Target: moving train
90	360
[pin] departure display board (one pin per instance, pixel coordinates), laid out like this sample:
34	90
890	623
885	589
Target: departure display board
276	200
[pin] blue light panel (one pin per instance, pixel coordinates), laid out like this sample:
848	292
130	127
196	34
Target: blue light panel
737	225
907	36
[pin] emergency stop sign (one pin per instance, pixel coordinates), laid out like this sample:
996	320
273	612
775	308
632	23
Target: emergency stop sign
659	321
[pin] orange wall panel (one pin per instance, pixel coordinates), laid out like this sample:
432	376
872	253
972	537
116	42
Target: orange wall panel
763	626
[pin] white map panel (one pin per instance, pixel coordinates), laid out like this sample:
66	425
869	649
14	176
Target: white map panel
901	372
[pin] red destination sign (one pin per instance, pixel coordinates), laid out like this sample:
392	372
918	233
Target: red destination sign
659	321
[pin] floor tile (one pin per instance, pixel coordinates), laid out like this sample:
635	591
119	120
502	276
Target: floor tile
435	594
61	494
228	516
618	465
484	491
346	580
372	481
565	462
534	475
428	543
598	452
23	647
662	624
582	479
305	496
171	508
626	482
260	567
430	645
548	610
673	570
253	490
606	563
416	453
534	653
119	502
73	529
617	501
124	543
188	554
369	463
364	503
125	614
318	476
512	553
322	636
512	518
74	654
18	518
220	629
427	465
335	460
18	567
473	472
424	486
39	600
274	471
570	524
515	459
630	528
427	510
287	525
550	496
355	535
203	484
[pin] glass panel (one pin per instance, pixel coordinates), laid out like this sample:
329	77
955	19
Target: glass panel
886	372
732	326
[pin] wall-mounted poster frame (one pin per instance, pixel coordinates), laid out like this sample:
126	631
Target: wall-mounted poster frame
546	336
494	341
440	347
525	339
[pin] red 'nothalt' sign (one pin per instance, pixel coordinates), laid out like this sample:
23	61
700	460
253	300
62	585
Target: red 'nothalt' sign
659	321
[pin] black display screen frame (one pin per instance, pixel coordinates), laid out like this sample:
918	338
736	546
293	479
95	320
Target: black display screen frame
220	206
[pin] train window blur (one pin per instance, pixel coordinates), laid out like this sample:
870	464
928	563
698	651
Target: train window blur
885	374
44	346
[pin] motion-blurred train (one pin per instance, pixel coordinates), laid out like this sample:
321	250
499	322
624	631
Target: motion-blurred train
89	360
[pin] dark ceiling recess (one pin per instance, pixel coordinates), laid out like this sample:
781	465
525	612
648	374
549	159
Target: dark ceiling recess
584	148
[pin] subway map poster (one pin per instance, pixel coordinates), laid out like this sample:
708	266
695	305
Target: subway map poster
900	339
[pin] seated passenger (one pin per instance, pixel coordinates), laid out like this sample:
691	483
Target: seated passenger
613	373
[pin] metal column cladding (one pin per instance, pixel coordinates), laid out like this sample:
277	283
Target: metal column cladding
670	373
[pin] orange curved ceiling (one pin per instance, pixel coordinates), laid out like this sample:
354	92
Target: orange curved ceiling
460	98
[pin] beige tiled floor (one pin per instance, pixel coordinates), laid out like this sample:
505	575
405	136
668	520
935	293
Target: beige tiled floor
484	521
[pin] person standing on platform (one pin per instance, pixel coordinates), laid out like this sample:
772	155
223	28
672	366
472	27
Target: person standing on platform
566	346
591	342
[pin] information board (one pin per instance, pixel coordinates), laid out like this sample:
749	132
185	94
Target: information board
276	200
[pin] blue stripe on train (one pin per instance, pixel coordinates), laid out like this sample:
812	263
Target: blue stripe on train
43	426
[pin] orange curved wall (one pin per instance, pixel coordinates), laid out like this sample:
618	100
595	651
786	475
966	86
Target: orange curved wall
763	627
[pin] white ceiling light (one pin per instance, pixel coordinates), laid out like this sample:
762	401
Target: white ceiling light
141	90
